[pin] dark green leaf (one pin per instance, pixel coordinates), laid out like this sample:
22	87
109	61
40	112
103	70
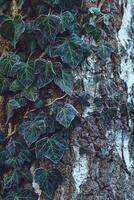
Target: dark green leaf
14	177
12	29
65	82
66	20
49	25
3	154
25	74
31	130
16	86
21	194
4	84
104	51
65	114
70	52
32	93
46	72
6	64
52	148
48	180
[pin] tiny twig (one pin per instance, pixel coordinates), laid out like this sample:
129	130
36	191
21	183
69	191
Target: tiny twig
101	3
12	133
59	98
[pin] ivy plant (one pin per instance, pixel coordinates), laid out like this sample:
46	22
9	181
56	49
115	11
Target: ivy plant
47	44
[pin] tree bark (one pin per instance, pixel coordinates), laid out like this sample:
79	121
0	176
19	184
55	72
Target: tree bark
99	162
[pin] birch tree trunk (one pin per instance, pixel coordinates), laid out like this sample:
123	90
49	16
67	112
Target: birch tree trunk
99	164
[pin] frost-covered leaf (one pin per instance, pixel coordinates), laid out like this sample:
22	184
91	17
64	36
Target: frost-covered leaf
70	52
52	148
48	180
31	130
15	103
7	64
49	25
25	73
65	81
65	114
12	29
46	71
21	194
31	93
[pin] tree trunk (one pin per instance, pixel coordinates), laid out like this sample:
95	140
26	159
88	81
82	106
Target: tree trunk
100	165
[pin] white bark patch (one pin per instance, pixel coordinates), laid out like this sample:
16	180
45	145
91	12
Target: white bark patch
125	41
35	185
122	141
80	170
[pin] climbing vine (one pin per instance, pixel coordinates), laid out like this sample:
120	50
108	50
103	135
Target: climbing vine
45	42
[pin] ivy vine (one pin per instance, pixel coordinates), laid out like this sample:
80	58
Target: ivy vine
46	44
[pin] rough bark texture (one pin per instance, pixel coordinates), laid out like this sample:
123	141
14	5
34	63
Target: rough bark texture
101	164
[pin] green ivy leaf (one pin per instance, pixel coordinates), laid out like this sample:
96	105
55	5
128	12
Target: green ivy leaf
46	72
16	86
52	148
65	82
31	130
4	84
65	114
66	20
12	29
25	73
21	194
104	51
48	180
49	25
72	5
14	177
13	104
31	93
19	159
70	52
3	155
6	64
95	10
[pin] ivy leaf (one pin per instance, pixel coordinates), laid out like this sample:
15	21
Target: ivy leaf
16	86
31	93
49	25
94	10
70	52
52	148
2	137
66	20
31	130
25	73
6	64
4	84
48	180
65	114
104	51
19	159
3	155
18	153
50	124
21	194
65	82
13	104
12	29
14	177
46	72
